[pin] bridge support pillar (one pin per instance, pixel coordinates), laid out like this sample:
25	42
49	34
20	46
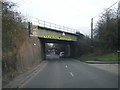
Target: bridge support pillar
43	50
68	50
73	50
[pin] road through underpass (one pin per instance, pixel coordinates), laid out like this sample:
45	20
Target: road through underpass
70	73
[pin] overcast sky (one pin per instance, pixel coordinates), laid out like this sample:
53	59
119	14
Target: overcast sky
71	13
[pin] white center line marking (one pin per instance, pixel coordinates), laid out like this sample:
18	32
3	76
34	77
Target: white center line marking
71	74
66	66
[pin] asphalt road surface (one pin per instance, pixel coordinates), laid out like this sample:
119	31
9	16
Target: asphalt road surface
69	73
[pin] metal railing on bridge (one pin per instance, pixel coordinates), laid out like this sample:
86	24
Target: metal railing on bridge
53	26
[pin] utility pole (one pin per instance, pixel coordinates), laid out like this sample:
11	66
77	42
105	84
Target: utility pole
92	28
92	35
118	16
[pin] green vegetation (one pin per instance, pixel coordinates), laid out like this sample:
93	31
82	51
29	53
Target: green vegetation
13	36
106	32
105	39
107	57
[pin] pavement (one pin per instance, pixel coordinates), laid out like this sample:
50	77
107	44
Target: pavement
21	79
113	68
110	66
0	83
67	73
0	73
102	62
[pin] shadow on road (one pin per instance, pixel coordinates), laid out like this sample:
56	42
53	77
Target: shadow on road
52	57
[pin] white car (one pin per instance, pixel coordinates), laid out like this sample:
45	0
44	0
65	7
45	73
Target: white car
62	54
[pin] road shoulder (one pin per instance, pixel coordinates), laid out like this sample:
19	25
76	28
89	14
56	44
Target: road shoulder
18	81
110	66
113	68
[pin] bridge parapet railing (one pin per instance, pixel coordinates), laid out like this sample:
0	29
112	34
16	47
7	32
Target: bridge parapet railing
54	26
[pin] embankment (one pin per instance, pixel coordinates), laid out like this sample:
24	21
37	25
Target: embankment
28	56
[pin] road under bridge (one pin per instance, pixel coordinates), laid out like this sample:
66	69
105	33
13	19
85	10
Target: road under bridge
48	35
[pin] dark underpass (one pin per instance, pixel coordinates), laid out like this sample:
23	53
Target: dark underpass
55	47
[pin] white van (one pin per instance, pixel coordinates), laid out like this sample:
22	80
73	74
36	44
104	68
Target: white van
62	54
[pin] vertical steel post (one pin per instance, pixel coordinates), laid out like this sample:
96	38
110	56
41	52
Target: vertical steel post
118	18
92	28
92	35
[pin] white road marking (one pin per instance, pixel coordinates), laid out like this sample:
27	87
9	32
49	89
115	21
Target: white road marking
71	74
66	66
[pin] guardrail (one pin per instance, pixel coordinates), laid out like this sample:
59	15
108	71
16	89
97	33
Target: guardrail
53	26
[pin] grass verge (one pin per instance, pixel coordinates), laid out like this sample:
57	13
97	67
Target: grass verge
106	57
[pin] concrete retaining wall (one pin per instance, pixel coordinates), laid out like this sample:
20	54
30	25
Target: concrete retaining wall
29	53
